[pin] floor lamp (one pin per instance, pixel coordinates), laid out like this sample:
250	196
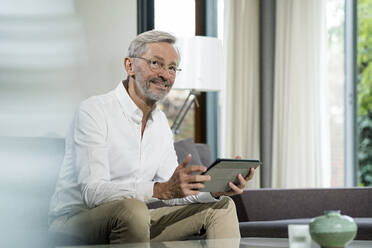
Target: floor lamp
201	64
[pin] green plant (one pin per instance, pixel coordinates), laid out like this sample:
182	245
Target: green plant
364	61
365	149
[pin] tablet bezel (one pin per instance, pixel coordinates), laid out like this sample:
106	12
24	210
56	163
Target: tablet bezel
219	160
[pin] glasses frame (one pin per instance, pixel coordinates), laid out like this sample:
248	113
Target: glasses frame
162	66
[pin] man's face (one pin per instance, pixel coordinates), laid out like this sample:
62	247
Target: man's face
154	85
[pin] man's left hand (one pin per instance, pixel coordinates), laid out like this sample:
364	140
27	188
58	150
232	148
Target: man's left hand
236	189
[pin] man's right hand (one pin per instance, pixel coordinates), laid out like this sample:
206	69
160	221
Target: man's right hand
182	183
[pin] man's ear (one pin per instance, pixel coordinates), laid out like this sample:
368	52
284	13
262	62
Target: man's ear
129	66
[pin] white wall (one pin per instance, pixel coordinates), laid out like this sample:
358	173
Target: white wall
52	59
109	28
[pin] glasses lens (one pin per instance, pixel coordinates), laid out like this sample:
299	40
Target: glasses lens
155	65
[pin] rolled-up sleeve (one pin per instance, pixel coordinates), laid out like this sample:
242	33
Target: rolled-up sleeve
202	197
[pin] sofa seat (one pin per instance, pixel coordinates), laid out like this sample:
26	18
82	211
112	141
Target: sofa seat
268	212
278	228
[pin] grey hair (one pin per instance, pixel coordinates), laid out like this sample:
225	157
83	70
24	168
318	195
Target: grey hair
138	46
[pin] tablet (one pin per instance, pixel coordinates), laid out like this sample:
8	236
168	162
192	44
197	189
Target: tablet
223	171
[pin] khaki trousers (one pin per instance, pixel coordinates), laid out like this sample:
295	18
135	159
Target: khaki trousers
130	220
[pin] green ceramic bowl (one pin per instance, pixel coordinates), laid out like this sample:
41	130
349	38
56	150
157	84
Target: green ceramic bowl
333	230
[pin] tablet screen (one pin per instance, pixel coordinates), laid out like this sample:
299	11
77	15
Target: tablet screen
223	171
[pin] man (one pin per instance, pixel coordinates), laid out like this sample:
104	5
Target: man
119	154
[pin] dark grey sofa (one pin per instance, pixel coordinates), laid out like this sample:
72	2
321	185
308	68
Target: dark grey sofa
267	212
29	168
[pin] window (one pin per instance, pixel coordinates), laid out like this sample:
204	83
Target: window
178	18
336	84
364	76
336	79
175	16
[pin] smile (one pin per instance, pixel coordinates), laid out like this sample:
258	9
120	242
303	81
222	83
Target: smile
160	85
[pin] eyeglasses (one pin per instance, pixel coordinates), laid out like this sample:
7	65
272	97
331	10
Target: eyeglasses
157	66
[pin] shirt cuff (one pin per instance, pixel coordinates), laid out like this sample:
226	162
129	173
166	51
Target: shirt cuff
205	197
144	190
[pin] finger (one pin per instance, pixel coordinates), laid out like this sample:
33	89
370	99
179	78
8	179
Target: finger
238	157
199	178
242	181
235	189
191	192
185	162
196	186
195	168
250	174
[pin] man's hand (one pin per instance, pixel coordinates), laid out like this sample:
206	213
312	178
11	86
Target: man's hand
182	183
236	189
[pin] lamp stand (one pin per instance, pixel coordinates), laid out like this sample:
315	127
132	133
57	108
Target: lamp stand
191	98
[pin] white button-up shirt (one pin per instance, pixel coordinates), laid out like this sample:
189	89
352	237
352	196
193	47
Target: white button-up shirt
106	158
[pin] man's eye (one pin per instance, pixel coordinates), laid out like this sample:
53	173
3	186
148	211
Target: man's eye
154	62
172	68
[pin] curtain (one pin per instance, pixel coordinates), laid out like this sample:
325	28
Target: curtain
301	156
241	95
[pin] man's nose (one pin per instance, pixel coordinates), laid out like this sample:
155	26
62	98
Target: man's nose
164	73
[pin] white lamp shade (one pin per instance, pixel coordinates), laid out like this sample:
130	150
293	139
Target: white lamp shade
201	64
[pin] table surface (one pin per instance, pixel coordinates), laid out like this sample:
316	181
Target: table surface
223	243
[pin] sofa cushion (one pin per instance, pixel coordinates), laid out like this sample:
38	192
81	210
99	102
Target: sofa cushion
279	228
364	228
205	154
273	229
183	148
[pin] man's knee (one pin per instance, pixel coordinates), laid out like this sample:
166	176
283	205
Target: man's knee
226	203
133	210
222	220
230	203
134	217
225	209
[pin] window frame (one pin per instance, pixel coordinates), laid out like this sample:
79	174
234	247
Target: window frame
350	98
206	116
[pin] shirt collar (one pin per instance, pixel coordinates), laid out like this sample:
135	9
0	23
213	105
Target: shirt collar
129	107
